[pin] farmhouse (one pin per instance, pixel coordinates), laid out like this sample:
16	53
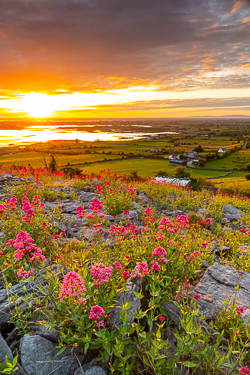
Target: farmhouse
174	181
222	150
177	162
191	154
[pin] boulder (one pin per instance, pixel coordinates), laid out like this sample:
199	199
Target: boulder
218	284
39	356
17	293
229	209
4	351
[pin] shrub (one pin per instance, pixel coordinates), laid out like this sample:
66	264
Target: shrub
161	173
181	172
247	176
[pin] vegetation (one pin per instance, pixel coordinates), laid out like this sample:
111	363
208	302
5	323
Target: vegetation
164	255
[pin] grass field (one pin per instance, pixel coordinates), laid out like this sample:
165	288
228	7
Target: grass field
239	159
145	167
35	159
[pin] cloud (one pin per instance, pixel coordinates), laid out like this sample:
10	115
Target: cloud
238	5
82	45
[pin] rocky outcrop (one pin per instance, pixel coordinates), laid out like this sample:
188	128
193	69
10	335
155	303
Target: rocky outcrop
40	356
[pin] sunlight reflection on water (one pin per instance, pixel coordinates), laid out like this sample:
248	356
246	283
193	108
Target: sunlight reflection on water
39	134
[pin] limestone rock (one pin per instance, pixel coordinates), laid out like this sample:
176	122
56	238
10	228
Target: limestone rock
39	356
4	350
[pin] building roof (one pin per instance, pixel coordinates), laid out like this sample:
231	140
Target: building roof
174	181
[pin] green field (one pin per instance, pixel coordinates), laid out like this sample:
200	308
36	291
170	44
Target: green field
237	160
145	167
35	159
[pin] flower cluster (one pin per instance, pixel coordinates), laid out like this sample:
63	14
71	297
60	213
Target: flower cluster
72	286
25	247
142	269
96	312
101	274
95	205
80	212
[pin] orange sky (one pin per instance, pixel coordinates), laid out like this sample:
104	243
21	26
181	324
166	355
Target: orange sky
144	58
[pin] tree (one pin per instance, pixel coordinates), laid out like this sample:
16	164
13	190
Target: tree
201	163
181	172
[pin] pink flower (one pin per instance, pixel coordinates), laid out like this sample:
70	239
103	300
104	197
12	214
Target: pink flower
155	266
239	310
162	318
142	269
207	222
96	312
244	371
101	274
126	212
243	230
125	274
100	323
197	297
80	212
72	286
159	252
117	265
1	253
204	244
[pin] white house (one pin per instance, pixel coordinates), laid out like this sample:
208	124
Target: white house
222	150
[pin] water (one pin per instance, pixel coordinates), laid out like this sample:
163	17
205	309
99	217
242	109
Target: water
38	133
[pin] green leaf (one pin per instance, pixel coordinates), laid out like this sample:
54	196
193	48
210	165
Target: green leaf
189	364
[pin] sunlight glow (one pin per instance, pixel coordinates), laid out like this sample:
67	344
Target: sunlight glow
41	105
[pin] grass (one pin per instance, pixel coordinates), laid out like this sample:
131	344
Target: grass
35	159
239	159
145	167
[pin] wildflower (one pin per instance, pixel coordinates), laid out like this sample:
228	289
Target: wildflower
207	222
72	286
142	269
244	371
62	234
197	297
126	212
155	266
1	253
159	252
101	274
96	312
100	323
204	244
80	212
125	274
162	318
117	265
239	310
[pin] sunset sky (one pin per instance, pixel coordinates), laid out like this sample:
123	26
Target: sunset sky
124	58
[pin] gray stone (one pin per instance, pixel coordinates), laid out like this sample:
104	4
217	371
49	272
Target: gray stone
17	293
4	350
96	370
228	208
217	285
39	356
41	330
204	263
126	296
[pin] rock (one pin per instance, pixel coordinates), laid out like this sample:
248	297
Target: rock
39	356
126	296
17	292
87	366
217	285
51	335
204	263
4	350
228	208
222	251
96	370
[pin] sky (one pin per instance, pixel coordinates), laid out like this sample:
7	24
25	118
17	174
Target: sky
124	58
